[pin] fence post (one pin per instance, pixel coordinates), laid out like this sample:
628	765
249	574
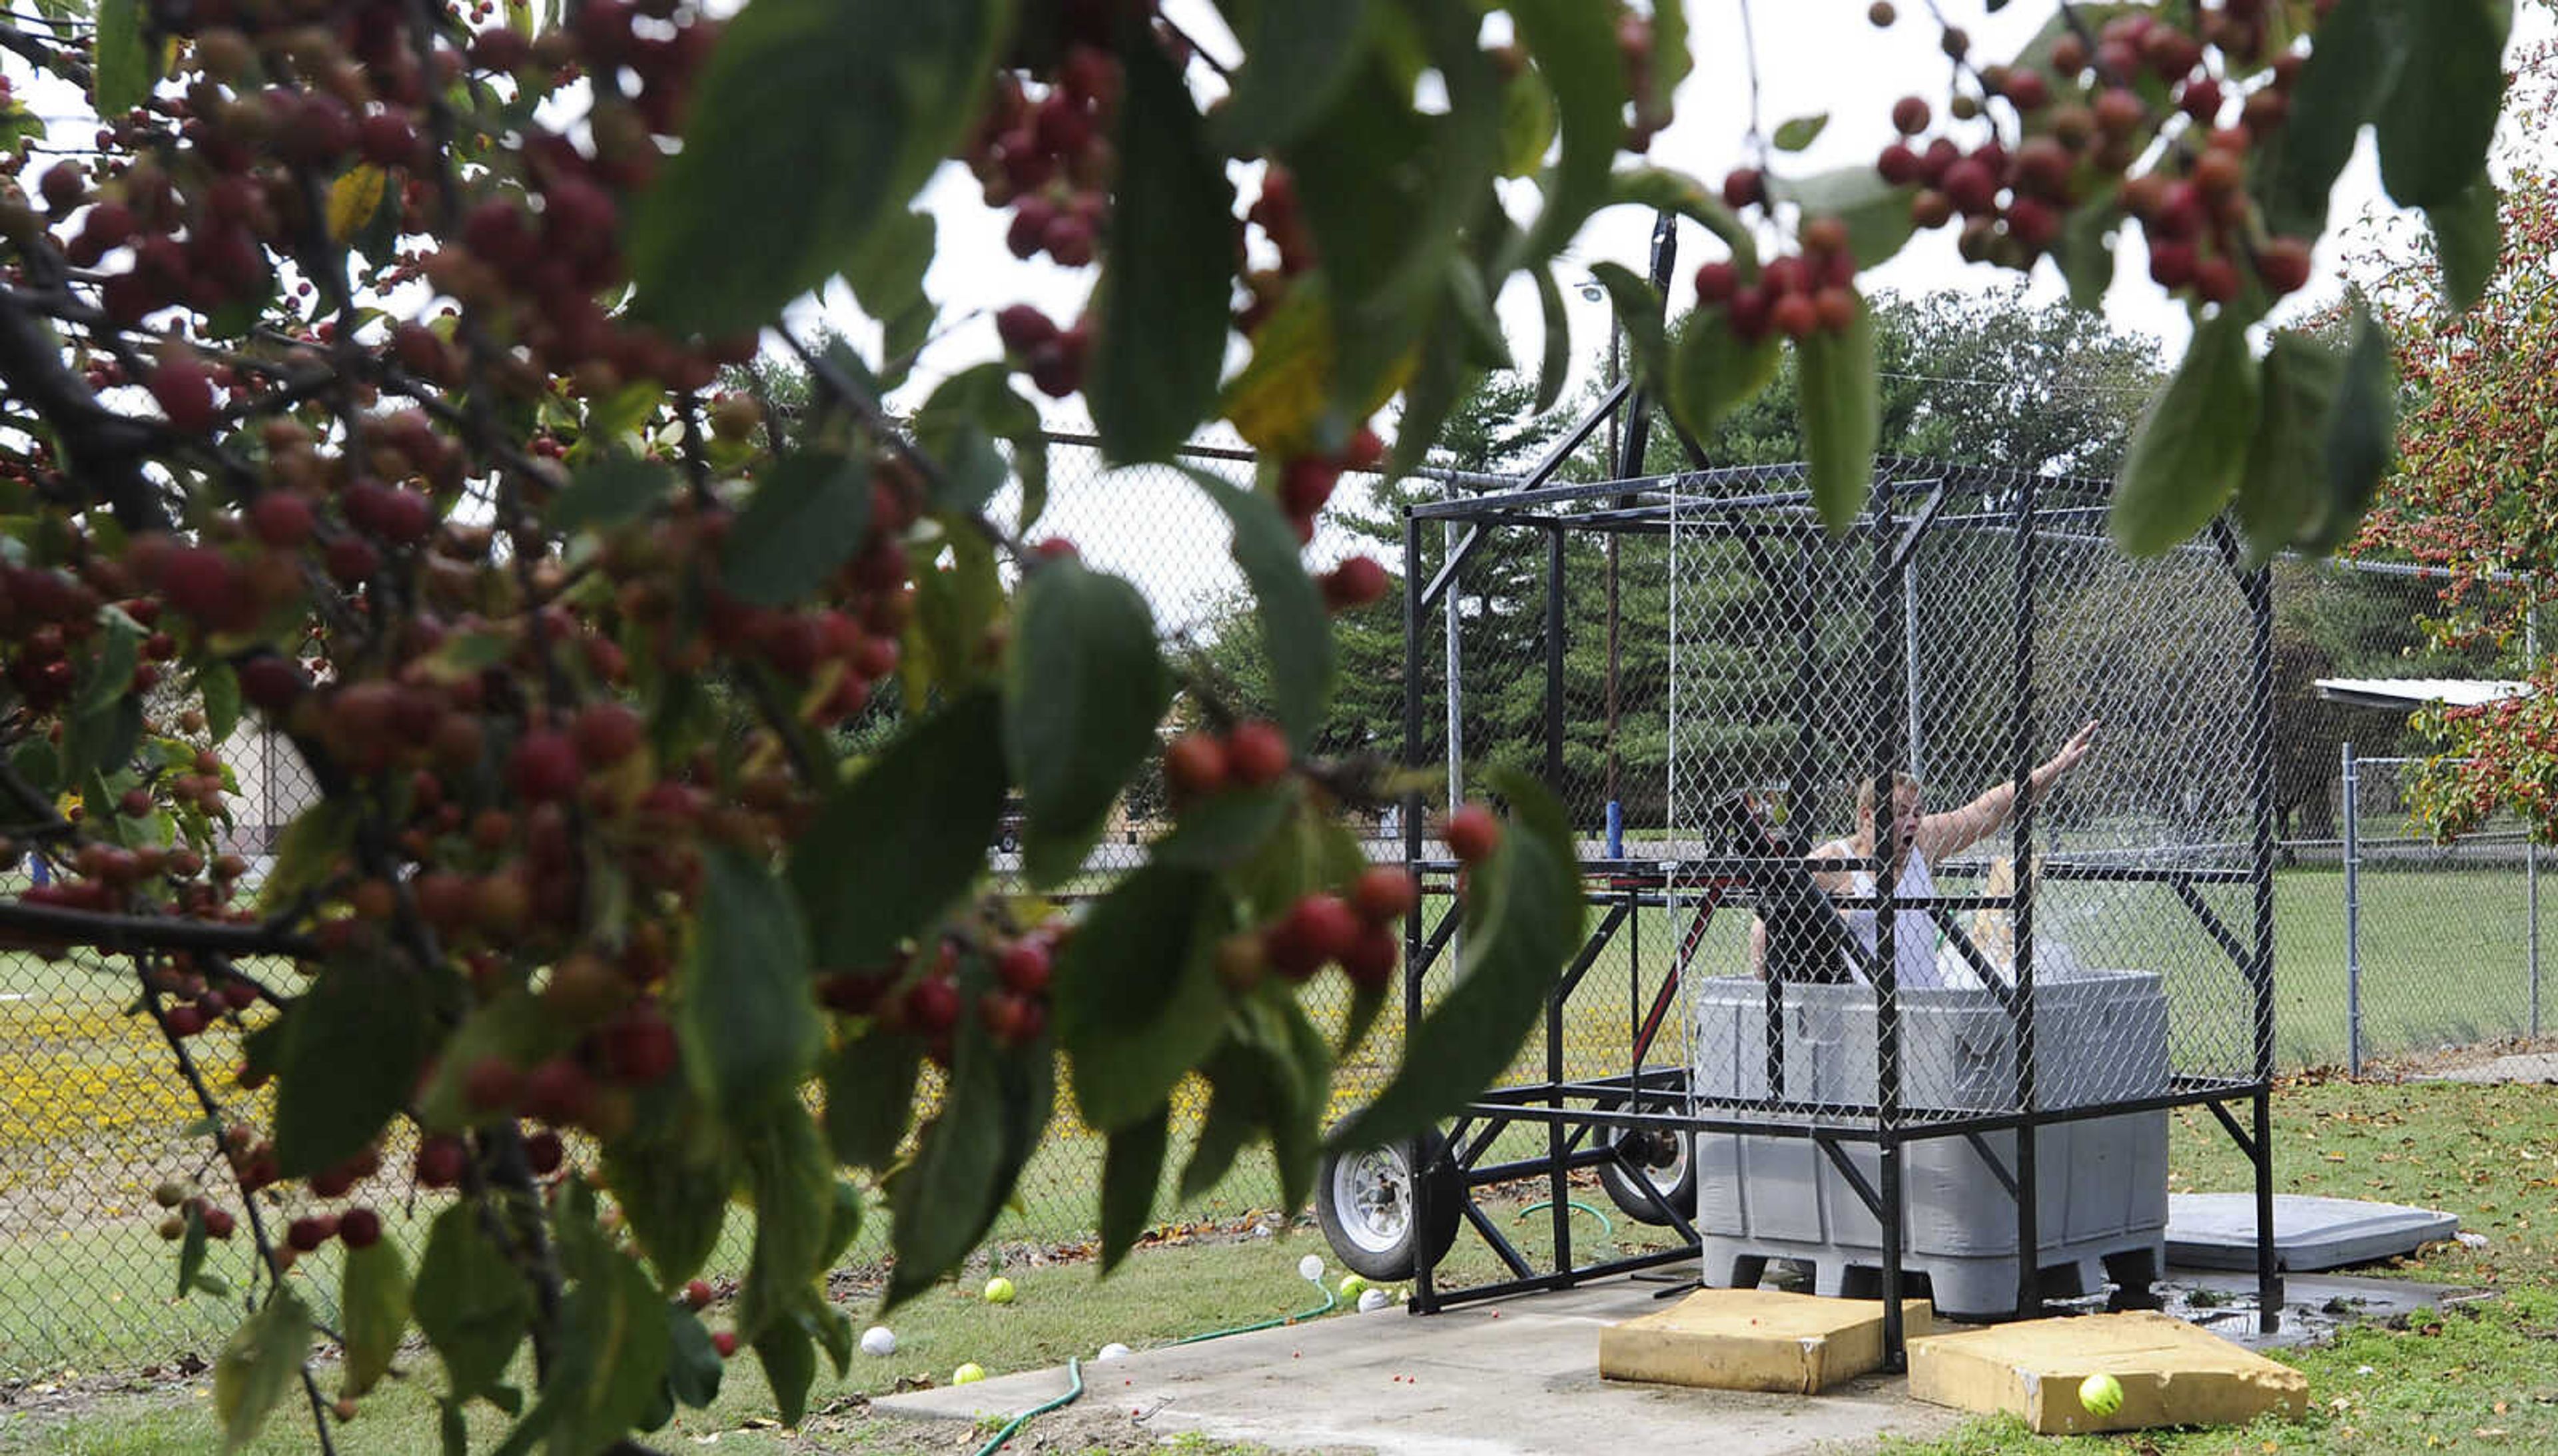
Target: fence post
2353	917
2530	840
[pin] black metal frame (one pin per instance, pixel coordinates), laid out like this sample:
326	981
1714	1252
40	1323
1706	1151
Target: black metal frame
1577	1113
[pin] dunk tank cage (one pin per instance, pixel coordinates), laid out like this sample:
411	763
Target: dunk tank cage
1985	1117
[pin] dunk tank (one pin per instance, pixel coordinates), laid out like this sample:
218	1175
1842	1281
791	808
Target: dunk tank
1818	1063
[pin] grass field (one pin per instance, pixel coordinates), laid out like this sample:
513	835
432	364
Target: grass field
88	1118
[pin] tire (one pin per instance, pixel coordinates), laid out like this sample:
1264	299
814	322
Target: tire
1364	1203
1668	1165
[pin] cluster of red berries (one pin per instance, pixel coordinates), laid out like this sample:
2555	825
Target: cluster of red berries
1053	357
919	995
2084	124
183	1201
1796	295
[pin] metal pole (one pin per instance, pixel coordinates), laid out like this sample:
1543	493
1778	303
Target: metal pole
2260	587
1909	664
1424	1296
1456	677
1554	661
2352	914
2028	1211
2530	839
1887	1009
1615	801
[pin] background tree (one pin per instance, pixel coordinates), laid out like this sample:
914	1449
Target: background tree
364	377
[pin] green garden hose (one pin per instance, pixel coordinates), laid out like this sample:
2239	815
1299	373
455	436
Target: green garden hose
1579	1208
1327	1307
1075	1369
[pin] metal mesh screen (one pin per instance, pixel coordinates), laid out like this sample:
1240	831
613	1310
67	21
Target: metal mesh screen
1924	655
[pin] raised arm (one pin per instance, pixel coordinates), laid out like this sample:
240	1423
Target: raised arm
1955	830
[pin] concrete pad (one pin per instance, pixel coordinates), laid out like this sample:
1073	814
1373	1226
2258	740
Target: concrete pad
2171	1373
1518	1377
1754	1340
2521	1066
2217	1231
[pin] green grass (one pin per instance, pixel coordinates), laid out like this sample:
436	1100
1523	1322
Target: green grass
1158	1296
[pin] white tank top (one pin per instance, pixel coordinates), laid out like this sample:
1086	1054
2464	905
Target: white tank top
1914	932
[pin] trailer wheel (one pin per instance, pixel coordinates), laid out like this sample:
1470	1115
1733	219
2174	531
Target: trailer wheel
1666	1163
1364	1202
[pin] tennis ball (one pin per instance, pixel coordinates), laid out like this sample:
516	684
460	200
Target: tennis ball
878	1341
1352	1286
2100	1394
968	1375
999	1291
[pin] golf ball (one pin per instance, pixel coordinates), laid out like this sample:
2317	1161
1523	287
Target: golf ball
1113	1350
1373	1300
1311	1267
878	1341
968	1375
2100	1394
999	1291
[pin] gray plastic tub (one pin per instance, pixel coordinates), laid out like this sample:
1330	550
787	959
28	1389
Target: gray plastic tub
2101	1207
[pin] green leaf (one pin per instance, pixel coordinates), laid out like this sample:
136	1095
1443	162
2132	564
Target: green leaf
1132	1170
1639	319
1159	346
2361	434
108	675
1665	190
609	492
306	850
515	1027
470	1304
1523	916
1296	632
1876	213
886	275
871	95
2185	459
1842	417
191	1252
1275	1071
998	1103
1712	371
1799	132
2469	241
1528	122
257	1365
794	1191
2279	497
2352	63
1222	1139
614	1351
1575	45
372	1303
122	78
354	1045
983	397
1295	60
2439	115
1136	996
2086	252
1557	362
953	608
809	513
789	1367
693	1364
1083	690
942	783
670	1175
870	1097
220	688
743	1012
1225	831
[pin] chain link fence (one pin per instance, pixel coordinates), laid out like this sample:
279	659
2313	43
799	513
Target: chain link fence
91	1119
